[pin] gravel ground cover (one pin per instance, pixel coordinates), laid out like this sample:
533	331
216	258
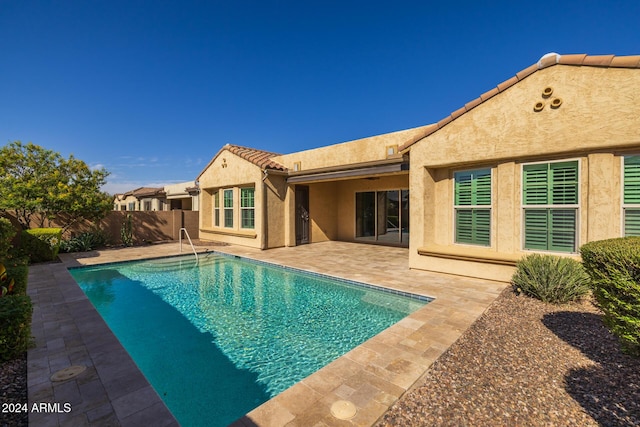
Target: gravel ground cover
527	363
13	390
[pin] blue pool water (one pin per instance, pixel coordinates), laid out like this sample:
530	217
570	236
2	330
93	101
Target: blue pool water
219	337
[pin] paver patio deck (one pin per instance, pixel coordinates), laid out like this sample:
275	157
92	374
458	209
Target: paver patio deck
112	391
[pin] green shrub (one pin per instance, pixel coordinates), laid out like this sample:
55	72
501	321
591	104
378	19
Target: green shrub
15	326
7	231
84	242
551	278
18	270
41	244
126	232
614	267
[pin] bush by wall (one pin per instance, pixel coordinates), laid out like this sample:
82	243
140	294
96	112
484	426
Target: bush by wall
84	242
18	270
15	326
551	278
41	244
7	231
126	233
614	267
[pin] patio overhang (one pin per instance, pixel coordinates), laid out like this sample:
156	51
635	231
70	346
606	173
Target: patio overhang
354	171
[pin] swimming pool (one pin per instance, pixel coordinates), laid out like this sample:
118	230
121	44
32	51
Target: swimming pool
219	337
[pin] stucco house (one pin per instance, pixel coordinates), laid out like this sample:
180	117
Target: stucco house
182	196
544	162
141	199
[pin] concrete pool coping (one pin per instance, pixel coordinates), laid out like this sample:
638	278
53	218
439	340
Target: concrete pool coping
68	331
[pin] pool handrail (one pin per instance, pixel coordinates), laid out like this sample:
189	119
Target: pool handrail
190	242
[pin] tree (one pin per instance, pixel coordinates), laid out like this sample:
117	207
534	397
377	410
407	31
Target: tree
41	186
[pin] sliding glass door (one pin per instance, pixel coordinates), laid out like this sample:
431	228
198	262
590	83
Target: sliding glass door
383	216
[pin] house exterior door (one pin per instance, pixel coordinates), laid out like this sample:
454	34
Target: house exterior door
302	215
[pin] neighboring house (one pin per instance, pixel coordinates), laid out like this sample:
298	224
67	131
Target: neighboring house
141	199
182	196
545	162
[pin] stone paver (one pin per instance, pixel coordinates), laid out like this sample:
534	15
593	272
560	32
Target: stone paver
373	376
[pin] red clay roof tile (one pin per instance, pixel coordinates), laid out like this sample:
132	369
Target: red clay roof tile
507	83
443	122
572	59
626	61
489	94
458	112
259	158
598	60
472	104
527	71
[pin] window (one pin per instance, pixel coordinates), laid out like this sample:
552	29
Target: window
631	196
472	205
228	208
550	204
147	205
216	209
383	217
247	208
132	206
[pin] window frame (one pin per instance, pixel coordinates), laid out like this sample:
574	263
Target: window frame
550	208
625	206
376	236
227	209
216	208
473	208
245	209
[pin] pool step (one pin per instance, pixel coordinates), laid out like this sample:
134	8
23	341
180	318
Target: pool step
178	263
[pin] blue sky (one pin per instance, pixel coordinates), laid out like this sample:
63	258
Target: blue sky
151	90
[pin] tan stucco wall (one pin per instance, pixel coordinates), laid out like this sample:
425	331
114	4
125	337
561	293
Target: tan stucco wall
323	215
275	190
125	201
597	121
235	174
599	109
353	152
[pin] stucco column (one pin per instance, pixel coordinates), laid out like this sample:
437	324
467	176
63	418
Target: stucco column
289	217
507	215
421	216
601	201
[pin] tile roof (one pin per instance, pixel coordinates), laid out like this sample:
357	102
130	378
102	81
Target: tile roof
145	191
141	192
259	158
548	60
